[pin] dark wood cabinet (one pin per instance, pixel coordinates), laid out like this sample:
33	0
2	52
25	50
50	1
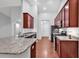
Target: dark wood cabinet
60	24
62	11
78	13
28	21
78	49
58	20
33	50
73	13
67	49
69	13
66	11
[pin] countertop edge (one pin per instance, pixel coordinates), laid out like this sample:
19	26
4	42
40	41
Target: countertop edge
16	53
74	39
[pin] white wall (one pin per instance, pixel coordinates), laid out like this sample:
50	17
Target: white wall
9	3
8	18
6	11
44	17
5	23
26	7
31	9
62	4
13	15
74	31
16	18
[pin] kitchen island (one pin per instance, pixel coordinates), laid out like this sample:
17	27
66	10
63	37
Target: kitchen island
15	47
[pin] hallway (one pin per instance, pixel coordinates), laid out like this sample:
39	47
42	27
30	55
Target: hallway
44	49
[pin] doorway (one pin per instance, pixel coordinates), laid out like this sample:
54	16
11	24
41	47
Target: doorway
45	28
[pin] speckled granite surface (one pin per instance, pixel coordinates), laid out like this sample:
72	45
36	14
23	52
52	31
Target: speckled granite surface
66	38
15	46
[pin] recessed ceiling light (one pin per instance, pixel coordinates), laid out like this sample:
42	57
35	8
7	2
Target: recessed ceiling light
44	8
35	0
17	25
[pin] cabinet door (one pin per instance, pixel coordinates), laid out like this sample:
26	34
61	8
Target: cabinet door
73	13
66	23
62	17
69	49
27	21
58	47
73	49
64	50
78	13
31	22
78	49
33	50
56	21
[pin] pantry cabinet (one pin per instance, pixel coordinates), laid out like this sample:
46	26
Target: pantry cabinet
27	21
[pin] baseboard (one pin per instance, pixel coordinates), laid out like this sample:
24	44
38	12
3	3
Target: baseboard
45	37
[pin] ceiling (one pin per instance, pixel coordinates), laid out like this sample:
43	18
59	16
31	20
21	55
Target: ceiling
44	6
9	3
48	6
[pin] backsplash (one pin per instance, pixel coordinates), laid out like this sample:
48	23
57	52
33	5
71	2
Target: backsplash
71	31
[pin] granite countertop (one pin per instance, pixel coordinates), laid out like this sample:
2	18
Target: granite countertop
15	46
66	38
29	34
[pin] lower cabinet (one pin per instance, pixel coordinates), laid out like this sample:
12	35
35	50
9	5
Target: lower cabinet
67	49
33	50
78	49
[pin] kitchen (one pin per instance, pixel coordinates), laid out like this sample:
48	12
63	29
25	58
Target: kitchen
23	24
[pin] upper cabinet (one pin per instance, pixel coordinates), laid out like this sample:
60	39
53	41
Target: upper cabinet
62	19
78	13
66	15
27	21
69	14
73	13
57	20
